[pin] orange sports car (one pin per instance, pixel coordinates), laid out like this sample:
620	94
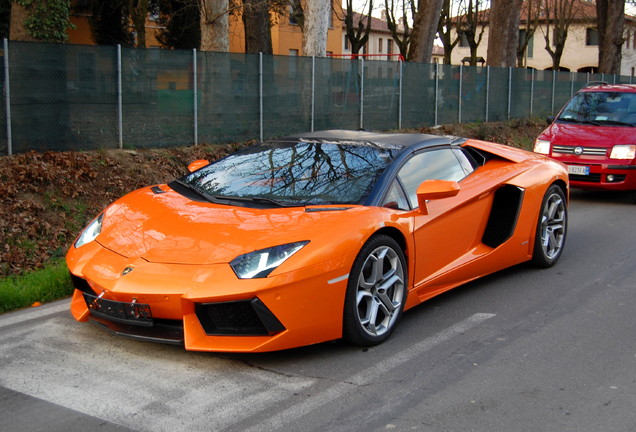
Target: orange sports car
314	237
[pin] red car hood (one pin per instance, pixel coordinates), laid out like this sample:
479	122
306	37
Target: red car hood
170	228
588	135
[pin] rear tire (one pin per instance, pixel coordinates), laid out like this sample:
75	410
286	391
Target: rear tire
376	292
551	228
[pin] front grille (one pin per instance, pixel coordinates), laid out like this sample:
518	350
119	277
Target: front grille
588	151
592	178
245	318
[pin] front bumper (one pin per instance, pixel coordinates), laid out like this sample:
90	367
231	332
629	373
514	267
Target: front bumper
605	177
207	308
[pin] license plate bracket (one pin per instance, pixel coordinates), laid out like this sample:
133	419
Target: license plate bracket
124	312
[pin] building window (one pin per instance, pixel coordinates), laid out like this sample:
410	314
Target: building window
591	36
292	15
463	40
389	46
380	46
627	39
346	42
530	47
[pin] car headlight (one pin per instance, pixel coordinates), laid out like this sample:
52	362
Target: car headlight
542	146
623	152
91	232
260	263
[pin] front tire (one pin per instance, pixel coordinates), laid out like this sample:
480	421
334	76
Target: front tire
376	292
551	228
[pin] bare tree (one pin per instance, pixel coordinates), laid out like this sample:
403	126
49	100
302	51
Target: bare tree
399	24
138	10
558	15
445	27
471	24
316	22
532	11
257	25
357	26
611	21
214	25
424	30
502	46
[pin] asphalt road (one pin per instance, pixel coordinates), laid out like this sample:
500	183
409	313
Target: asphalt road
521	350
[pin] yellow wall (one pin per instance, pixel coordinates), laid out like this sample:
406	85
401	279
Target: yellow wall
285	36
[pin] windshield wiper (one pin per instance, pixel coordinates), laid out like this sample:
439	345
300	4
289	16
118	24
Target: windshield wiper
616	122
196	191
255	199
573	120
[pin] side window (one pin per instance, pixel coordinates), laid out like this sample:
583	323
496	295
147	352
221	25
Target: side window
466	161
395	198
439	164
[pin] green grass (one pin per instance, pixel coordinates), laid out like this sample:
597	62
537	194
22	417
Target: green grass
50	283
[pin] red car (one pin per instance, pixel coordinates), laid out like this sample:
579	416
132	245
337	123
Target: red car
594	136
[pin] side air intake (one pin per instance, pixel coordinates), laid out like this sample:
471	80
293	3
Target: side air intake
503	215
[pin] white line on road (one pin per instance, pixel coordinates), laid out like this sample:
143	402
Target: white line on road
367	375
39	312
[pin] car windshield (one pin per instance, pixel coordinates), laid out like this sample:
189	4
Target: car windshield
294	173
601	108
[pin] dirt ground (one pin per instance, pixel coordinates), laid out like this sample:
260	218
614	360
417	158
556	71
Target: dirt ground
47	198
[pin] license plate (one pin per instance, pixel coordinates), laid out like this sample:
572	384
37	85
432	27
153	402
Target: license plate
578	169
130	313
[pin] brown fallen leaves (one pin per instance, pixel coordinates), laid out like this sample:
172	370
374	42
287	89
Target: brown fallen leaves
47	198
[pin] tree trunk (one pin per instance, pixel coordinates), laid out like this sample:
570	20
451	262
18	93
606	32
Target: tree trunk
424	30
611	20
214	25
258	35
18	31
502	48
315	27
139	13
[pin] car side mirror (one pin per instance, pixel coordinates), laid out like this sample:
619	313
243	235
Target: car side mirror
549	120
198	164
435	189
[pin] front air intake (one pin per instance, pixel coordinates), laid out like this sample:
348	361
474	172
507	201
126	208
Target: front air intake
238	318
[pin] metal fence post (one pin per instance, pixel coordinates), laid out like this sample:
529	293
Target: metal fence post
400	97
362	94
120	114
459	103
7	97
313	90
554	72
195	88
487	92
509	91
260	94
531	91
436	90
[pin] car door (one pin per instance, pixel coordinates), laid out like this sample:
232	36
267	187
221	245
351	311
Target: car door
449	235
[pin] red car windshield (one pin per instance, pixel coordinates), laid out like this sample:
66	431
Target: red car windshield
601	108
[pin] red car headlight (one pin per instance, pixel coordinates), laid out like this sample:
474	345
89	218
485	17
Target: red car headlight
623	152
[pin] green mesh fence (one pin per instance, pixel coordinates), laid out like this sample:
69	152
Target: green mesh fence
157	97
73	97
418	95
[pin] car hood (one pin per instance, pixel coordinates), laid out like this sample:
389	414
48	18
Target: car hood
588	135
162	226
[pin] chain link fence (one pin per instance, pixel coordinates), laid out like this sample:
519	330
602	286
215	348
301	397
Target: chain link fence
74	97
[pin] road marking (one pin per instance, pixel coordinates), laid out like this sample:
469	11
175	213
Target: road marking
367	376
39	312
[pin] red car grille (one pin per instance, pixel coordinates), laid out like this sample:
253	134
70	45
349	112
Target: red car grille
591	151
